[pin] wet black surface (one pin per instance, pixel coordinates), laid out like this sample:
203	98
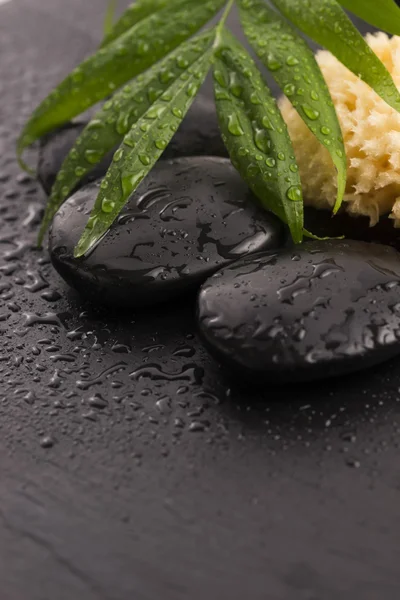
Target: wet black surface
130	467
322	309
190	217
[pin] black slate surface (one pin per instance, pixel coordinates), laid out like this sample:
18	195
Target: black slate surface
130	468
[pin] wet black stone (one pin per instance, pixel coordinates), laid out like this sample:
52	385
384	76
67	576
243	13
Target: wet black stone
314	311
189	217
197	136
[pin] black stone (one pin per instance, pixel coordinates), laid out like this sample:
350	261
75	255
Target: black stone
318	310
198	135
189	217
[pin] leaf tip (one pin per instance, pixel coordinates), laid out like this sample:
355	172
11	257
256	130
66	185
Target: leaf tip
297	235
41	234
81	248
22	144
86	243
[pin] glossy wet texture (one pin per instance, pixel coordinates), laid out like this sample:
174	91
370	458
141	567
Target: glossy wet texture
132	467
318	310
198	135
188	218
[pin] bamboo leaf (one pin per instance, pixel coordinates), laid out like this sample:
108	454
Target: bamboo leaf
128	56
293	66
116	118
142	147
383	14
135	13
326	23
109	18
255	134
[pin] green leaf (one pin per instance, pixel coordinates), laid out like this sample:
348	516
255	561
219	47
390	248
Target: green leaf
128	56
110	17
142	147
255	133
116	118
135	13
312	236
383	14
326	23
293	66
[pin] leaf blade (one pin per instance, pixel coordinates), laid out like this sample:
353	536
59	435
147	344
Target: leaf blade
256	135
290	60
135	13
141	149
109	18
107	128
131	54
384	14
326	23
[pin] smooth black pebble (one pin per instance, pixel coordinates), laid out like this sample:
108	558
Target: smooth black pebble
314	311
198	135
188	218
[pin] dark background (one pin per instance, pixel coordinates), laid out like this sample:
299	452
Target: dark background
131	468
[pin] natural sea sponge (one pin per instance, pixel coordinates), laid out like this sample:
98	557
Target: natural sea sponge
371	133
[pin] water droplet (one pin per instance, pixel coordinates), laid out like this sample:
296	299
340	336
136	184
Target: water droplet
234	85
291	61
294	193
192	90
270	162
130	181
93	156
80	171
267	123
234	125
107	206
166	76
144	159
47	441
122	126
272	63
310	112
160	144
262	140
177	112
289	89
91	222
118	155
254	99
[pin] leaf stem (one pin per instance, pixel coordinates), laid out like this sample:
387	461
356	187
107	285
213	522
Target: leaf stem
222	22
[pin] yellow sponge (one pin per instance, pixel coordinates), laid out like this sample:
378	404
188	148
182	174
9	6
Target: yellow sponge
371	133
